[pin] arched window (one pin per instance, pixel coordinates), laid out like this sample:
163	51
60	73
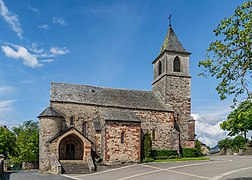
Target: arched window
71	121
159	68
176	64
85	128
122	137
153	134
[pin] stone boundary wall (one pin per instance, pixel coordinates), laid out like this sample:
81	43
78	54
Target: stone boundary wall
30	165
1	167
1	164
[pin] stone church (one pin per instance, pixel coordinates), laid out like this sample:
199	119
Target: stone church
85	123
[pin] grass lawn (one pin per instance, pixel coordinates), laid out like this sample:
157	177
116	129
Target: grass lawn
182	159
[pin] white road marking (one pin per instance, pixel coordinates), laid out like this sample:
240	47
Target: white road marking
72	177
170	169
141	174
102	172
230	172
196	164
187	174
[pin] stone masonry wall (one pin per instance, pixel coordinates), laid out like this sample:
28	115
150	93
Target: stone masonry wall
163	125
98	142
127	152
178	96
80	113
48	128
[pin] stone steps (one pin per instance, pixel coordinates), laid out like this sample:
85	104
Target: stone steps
75	167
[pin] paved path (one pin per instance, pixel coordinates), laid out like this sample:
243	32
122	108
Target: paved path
221	167
31	175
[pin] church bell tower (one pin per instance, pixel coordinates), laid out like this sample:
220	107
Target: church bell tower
172	82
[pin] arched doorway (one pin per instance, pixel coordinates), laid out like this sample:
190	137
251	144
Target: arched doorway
71	148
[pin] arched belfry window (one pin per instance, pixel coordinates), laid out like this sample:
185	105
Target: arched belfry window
159	68
176	64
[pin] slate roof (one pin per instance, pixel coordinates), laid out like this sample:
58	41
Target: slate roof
172	43
124	98
50	112
116	114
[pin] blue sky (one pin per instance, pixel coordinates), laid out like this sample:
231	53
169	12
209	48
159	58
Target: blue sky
103	43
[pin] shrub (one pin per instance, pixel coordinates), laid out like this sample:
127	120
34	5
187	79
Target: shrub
189	152
164	154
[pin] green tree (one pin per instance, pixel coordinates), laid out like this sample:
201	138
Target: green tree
239	120
198	148
229	58
7	142
27	141
238	143
225	144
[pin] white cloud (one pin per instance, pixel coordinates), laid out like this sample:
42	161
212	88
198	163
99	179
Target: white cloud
19	52
26	81
33	56
59	20
36	10
44	26
10	123
11	19
59	51
208	132
47	60
6	105
5	89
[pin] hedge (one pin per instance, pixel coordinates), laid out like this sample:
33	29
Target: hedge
164	154
189	152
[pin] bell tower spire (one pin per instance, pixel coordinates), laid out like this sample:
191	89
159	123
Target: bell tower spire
172	82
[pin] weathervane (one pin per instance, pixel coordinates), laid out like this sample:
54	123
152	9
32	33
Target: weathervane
170	16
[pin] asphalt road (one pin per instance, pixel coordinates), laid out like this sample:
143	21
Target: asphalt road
220	167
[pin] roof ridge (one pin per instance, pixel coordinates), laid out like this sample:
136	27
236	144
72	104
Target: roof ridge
101	87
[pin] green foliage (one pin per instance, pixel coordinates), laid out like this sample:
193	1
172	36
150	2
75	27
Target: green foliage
27	141
147	147
225	144
7	142
239	120
229	58
189	152
198	148
238	143
164	154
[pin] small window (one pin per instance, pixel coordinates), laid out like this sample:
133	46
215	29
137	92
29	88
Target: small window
176	64
71	121
159	68
85	128
153	134
122	137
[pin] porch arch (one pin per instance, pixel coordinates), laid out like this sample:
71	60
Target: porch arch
71	148
71	141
